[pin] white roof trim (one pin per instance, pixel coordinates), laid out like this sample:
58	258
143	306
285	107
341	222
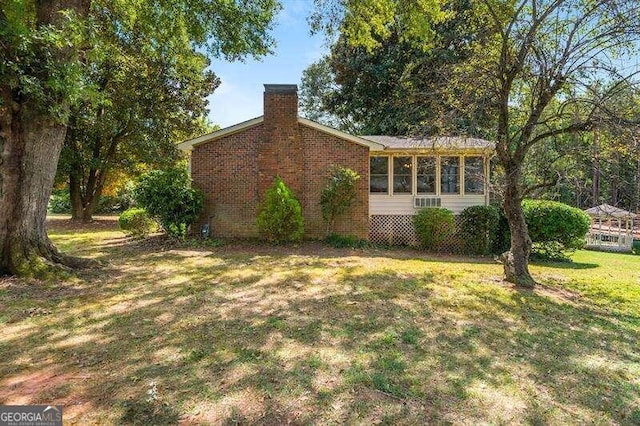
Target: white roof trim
189	144
373	146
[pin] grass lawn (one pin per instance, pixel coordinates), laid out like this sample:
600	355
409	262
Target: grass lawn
243	334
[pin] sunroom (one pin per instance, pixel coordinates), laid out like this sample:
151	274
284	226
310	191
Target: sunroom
411	174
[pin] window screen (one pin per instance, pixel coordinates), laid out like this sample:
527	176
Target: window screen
450	175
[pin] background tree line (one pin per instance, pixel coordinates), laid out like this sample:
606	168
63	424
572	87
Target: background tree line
398	88
535	76
114	82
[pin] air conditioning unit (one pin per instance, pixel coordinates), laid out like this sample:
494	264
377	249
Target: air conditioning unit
422	202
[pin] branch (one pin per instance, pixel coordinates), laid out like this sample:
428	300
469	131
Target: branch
575	127
546	184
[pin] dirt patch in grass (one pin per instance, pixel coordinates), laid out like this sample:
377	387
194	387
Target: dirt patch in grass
247	333
62	223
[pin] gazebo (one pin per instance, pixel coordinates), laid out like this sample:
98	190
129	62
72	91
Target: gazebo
611	228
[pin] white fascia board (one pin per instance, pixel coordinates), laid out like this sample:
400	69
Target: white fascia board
373	146
189	144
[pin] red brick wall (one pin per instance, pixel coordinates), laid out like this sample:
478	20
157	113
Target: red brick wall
321	152
283	157
234	172
225	171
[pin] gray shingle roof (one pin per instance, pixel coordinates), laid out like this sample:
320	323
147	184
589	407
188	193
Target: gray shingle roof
441	142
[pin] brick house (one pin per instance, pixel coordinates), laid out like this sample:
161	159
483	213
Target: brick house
235	166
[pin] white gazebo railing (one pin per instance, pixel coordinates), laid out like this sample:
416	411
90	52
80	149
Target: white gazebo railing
611	229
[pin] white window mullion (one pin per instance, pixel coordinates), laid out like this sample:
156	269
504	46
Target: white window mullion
438	176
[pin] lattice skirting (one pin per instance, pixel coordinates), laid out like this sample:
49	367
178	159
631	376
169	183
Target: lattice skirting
393	230
399	230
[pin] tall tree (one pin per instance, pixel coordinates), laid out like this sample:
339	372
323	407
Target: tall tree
43	45
545	58
145	98
398	87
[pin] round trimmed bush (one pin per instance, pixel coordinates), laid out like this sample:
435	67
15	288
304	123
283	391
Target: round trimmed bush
478	225
555	228
136	222
280	218
433	226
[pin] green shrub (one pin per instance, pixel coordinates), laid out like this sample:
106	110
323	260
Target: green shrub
433	226
345	241
478	225
636	247
338	196
109	204
168	197
136	222
555	228
502	238
280	216
60	201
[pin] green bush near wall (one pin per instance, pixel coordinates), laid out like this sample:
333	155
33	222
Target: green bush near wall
280	215
434	226
479	225
168	197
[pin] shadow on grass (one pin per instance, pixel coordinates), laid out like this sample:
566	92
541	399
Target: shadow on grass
565	265
237	336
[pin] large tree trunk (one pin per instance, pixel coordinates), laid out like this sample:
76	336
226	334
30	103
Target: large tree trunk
516	260
30	145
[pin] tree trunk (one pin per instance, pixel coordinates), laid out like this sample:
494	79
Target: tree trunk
75	196
516	260
82	204
615	179
30	146
636	198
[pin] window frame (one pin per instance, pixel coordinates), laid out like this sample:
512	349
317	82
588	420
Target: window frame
392	175
417	193
389	188
438	157
459	177
483	167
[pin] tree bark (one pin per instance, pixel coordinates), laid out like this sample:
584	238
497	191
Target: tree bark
83	205
30	145
516	260
615	179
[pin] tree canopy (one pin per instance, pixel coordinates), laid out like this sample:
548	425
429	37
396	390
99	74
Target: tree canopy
398	87
540	67
48	49
145	97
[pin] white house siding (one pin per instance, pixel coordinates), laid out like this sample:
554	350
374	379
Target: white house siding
403	204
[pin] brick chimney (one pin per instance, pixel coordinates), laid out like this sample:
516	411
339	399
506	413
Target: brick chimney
282	151
281	103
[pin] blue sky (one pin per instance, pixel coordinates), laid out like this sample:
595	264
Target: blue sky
239	97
